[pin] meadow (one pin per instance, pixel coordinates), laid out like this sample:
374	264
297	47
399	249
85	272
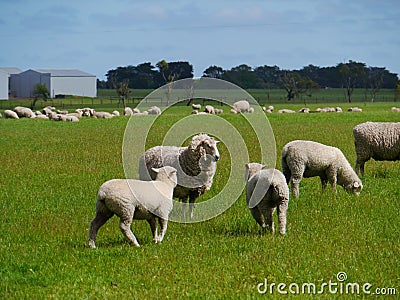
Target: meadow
50	174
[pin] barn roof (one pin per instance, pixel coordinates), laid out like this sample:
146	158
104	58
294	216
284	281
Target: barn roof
11	70
64	72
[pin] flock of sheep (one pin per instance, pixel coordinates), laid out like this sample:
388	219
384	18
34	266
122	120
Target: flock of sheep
167	172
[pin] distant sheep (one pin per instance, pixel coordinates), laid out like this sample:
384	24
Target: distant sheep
154	110
132	199
196	166
218	111
24	112
395	109
128	111
242	106
209	109
354	109
196	106
377	140
305	110
102	115
116	113
9	114
266	189
303	159
338	109
286	111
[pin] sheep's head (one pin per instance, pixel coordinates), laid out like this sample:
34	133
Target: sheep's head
350	181
166	173
251	169
203	144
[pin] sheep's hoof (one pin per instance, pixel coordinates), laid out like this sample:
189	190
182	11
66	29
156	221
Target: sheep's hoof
91	245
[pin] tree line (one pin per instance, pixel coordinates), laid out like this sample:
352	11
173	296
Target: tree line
349	75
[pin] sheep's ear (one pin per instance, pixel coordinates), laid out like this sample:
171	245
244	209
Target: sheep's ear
155	170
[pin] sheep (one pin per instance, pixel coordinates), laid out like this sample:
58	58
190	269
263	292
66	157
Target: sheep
395	109
154	110
209	109
131	199
305	110
9	114
338	109
102	115
24	112
196	106
78	113
266	189
128	111
304	159
116	113
62	112
48	109
286	111
379	140
196	165
145	113
218	111
1	115
354	109
242	106
87	112
42	117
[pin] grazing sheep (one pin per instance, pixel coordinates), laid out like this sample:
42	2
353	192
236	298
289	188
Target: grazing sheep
62	112
286	111
266	189
102	115
71	118
48	109
209	109
24	112
9	114
196	166
242	106
304	159
338	109
116	113
395	109
154	110
304	110
42	117
132	199
145	113
196	106
379	140
128	111
78	113
268	110
218	111
354	109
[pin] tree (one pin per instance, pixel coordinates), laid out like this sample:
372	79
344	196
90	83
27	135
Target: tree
40	91
123	91
397	91
374	80
214	72
269	75
352	74
289	82
307	86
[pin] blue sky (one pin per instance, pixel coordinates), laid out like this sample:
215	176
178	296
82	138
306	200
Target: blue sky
96	36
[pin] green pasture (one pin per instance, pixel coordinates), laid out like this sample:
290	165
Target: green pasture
51	171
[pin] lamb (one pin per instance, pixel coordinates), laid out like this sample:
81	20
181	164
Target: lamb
379	140
102	115
9	114
48	109
128	111
196	106
218	111
196	166
309	159
131	199
266	189
338	109
304	110
116	113
395	109
24	112
154	110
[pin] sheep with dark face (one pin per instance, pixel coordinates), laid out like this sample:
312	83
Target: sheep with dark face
196	166
377	140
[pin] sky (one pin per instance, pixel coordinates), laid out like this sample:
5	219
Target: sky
97	36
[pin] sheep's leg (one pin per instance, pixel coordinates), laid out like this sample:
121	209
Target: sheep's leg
281	210
324	182
184	205
295	181
125	226
268	218
332	177
163	228
100	219
362	168
153	226
255	212
191	206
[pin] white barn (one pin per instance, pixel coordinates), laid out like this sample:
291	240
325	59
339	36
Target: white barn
5	81
58	82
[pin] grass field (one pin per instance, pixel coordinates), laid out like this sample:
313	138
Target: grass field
50	174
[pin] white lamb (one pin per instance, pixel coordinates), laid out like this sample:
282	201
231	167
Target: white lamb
209	109
266	189
303	159
116	113
24	112
377	140
242	106
9	114
132	199
196	106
